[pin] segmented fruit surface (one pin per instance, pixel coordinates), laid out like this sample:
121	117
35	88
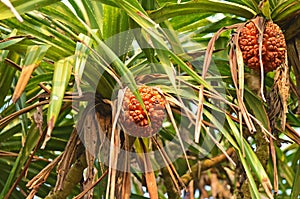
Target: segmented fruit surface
273	46
133	117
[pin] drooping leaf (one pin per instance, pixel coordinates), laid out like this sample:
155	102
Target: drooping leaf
252	159
61	77
81	52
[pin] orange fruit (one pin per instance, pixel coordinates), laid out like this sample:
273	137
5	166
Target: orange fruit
273	46
133	117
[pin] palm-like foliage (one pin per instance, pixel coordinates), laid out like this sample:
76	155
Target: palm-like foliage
56	57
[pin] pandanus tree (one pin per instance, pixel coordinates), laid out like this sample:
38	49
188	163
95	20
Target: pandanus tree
159	99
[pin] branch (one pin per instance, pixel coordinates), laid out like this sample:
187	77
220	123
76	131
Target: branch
205	165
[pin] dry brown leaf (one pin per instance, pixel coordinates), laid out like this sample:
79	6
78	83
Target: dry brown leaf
201	184
66	160
104	131
275	172
260	25
199	116
278	98
123	186
218	187
114	145
90	135
4	121
214	183
126	190
292	134
23	80
41	177
237	73
219	146
206	64
49	131
170	114
89	176
149	173
190	191
211	44
178	183
38	118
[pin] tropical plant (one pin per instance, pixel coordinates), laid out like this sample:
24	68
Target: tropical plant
75	73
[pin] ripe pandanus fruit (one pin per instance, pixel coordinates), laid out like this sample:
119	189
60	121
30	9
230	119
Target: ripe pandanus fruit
273	46
133	117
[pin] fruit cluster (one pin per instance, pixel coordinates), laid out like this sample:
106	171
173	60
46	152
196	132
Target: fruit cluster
273	46
133	117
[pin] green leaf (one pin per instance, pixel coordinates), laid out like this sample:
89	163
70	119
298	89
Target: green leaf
109	56
116	35
7	74
61	77
296	184
251	157
81	52
179	22
45	30
293	119
285	170
31	141
253	4
285	9
10	130
22	6
149	27
256	105
173	9
60	12
10	41
89	11
225	132
265	9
